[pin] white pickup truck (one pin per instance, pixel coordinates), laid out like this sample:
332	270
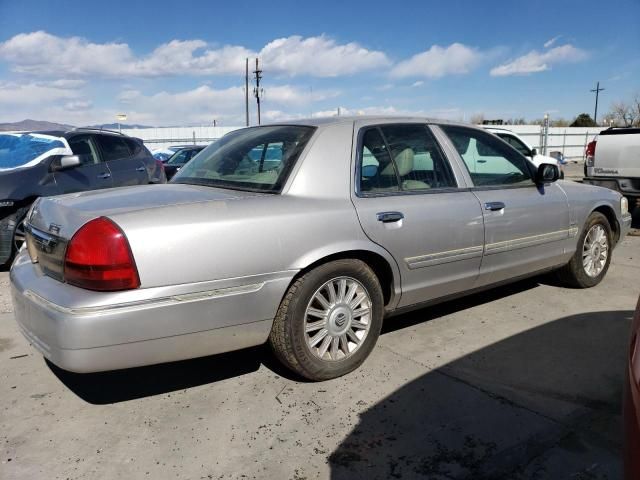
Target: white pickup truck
613	161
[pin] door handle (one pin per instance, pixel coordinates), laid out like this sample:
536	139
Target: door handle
104	175
140	169
493	206
388	217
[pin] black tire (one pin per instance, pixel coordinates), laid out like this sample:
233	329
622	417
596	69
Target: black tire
574	273
14	222
288	338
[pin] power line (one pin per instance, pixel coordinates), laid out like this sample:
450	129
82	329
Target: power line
596	90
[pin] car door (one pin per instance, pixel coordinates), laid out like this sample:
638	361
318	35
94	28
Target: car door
410	201
125	168
92	173
526	225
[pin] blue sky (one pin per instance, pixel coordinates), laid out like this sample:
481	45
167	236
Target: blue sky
178	63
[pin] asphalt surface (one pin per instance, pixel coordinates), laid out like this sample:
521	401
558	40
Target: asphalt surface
521	382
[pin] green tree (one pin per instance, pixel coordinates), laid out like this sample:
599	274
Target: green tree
584	120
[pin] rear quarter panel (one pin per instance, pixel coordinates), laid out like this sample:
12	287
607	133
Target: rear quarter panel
584	199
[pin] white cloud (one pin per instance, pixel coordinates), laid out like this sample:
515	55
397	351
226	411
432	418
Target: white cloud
419	83
67	83
550	42
448	113
78	105
319	56
16	94
203	104
536	61
439	61
43	54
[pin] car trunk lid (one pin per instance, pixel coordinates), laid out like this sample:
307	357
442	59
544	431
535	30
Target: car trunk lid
53	221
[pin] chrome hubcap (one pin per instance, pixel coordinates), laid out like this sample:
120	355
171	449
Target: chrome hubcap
337	319
595	251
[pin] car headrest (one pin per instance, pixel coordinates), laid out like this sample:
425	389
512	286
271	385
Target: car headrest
404	163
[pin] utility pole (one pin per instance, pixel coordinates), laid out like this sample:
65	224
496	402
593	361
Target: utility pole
246	91
257	91
597	90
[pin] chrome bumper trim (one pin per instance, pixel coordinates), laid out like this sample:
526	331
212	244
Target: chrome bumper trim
150	303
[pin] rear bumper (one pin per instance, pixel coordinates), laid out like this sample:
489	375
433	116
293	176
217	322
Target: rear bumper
629	187
80	336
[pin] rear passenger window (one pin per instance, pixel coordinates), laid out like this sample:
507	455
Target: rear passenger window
113	148
377	172
419	163
402	157
134	146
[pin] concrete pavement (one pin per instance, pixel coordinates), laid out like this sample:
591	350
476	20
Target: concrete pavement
521	382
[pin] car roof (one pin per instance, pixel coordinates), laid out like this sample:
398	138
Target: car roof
366	119
498	129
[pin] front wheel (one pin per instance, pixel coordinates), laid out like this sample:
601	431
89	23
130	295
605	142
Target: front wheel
592	258
329	320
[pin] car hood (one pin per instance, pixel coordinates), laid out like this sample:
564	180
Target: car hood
65	214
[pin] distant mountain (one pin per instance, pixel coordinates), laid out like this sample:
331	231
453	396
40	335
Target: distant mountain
31	125
114	126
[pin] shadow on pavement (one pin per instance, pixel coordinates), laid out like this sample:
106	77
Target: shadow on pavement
541	404
121	385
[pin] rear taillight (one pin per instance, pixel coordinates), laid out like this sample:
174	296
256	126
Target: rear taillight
590	153
160	165
99	258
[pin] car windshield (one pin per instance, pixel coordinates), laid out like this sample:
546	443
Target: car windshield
27	149
254	159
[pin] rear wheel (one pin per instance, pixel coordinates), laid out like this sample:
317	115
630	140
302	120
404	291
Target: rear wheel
590	262
329	320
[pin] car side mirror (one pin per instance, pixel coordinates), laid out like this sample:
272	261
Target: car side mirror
534	152
67	161
547	173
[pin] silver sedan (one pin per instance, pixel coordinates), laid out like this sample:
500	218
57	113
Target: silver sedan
305	235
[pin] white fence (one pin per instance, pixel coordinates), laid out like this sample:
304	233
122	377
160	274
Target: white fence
571	141
162	137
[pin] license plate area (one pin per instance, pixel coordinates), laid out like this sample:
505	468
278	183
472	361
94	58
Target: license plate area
47	250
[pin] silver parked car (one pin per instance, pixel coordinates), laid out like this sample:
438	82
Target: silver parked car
305	235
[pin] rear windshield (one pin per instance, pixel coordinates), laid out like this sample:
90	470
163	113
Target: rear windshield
27	149
254	159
